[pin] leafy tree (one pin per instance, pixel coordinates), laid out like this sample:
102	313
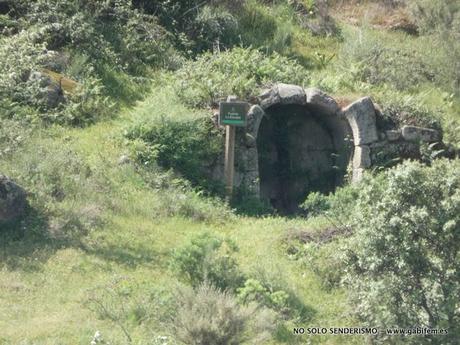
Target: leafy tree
404	259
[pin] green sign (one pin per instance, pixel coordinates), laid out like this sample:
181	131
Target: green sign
233	113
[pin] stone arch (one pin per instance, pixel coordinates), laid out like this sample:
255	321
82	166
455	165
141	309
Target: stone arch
317	112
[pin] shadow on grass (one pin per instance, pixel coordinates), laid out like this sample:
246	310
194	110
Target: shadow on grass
123	254
25	245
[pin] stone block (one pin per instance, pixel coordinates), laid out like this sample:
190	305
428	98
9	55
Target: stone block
320	99
413	133
393	135
291	94
362	157
361	117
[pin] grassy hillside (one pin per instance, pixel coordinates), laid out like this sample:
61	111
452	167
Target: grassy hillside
122	234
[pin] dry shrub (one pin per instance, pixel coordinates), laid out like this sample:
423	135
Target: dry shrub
209	316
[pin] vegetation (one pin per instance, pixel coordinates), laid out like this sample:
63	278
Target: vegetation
106	121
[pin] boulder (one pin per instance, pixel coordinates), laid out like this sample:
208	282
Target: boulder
52	90
361	117
13	200
320	99
413	133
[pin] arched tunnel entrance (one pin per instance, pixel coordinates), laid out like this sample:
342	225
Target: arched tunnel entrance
301	150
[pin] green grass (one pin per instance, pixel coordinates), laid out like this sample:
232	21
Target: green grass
45	284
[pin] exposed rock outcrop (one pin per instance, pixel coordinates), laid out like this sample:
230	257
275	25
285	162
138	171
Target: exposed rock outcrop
13	200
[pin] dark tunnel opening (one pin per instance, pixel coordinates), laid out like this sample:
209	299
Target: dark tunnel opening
301	150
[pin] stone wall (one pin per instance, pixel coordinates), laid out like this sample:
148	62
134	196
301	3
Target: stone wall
353	128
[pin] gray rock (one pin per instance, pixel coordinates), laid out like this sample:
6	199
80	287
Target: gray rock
318	98
413	133
255	115
361	117
393	135
13	200
269	97
51	89
291	94
282	94
362	157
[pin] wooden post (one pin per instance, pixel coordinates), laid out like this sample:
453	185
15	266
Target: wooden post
229	159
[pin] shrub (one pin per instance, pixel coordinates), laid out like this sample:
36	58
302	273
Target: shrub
404	256
214	27
19	56
254	291
209	259
12	136
326	261
393	63
399	110
336	207
111	31
208	315
178	144
258	25
434	15
240	72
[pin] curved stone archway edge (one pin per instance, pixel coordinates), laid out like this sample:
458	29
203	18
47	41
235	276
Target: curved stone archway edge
360	119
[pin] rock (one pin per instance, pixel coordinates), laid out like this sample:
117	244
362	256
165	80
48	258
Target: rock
13	200
255	115
362	157
318	98
413	133
269	97
53	91
361	117
393	135
282	94
291	94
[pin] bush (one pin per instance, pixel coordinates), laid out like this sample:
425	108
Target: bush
383	62
336	207
258	25
214	27
240	72
399	110
209	316
404	256
208	259
178	144
29	94
434	15
254	291
111	31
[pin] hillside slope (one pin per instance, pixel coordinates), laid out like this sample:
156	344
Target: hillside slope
124	242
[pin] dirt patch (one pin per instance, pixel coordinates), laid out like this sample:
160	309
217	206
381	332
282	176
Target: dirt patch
324	236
